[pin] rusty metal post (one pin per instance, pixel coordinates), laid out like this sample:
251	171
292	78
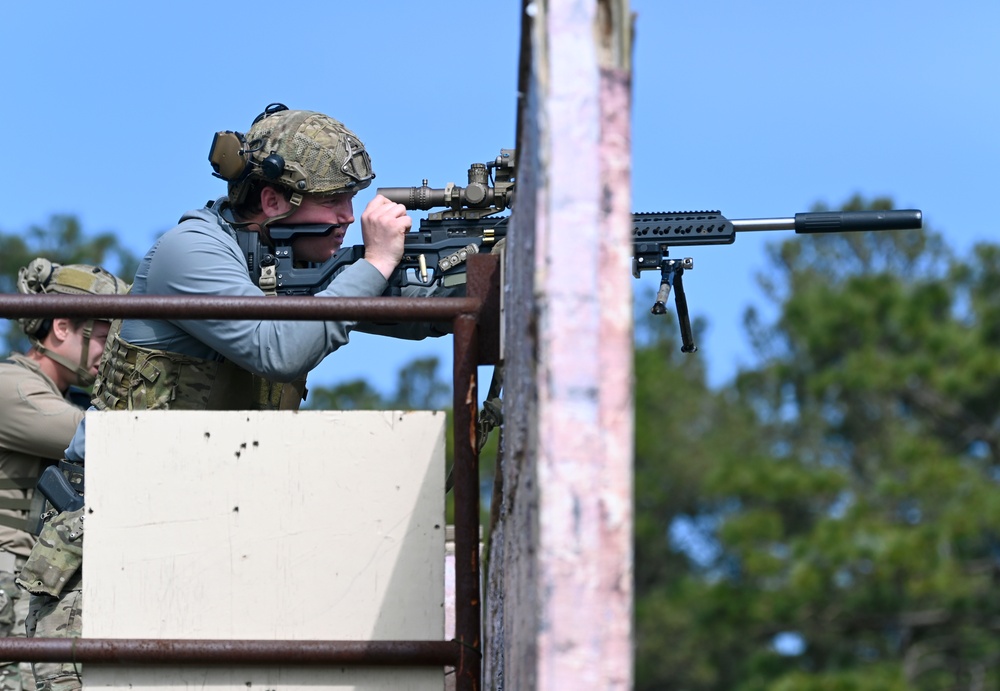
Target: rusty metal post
129	651
484	286
466	472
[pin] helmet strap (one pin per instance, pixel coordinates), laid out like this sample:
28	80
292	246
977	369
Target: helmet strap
84	377
294	201
82	371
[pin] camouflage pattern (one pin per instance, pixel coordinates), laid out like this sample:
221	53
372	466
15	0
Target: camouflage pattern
53	576
54	564
42	277
50	617
13	612
136	378
321	156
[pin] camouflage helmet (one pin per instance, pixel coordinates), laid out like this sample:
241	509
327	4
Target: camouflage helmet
302	150
42	277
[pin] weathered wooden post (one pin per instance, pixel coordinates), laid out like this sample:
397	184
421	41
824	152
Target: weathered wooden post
559	600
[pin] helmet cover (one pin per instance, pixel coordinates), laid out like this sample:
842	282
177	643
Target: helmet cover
305	151
43	277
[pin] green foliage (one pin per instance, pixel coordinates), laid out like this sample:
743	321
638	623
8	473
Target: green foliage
684	433
62	241
356	394
847	496
419	387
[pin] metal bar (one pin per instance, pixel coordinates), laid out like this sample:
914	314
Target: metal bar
465	654
468	672
218	652
289	308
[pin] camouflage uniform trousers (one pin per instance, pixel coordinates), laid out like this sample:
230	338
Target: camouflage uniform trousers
56	617
53	575
14	676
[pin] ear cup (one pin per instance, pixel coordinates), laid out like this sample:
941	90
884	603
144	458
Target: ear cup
229	156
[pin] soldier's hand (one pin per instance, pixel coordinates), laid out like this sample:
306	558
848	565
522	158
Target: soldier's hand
384	225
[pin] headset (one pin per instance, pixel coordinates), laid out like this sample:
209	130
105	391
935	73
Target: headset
232	159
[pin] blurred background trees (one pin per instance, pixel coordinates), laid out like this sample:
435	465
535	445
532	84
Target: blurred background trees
829	520
62	241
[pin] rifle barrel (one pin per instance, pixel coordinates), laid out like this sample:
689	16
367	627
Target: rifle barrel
836	221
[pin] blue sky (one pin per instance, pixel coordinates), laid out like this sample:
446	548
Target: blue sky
757	109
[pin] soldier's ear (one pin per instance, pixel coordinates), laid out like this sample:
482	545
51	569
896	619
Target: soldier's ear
273	202
61	329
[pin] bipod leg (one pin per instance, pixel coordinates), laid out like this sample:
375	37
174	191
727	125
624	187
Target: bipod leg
683	318
663	294
671	278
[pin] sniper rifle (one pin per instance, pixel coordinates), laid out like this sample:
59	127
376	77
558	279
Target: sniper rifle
435	253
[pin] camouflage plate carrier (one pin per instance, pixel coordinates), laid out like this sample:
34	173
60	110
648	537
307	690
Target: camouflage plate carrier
136	378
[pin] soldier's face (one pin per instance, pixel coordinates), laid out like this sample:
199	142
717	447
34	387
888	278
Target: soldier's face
335	210
73	345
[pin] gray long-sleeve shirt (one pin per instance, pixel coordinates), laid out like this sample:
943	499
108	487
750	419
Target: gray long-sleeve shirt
200	256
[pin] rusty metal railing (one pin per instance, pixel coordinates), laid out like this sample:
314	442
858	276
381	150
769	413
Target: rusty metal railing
476	322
